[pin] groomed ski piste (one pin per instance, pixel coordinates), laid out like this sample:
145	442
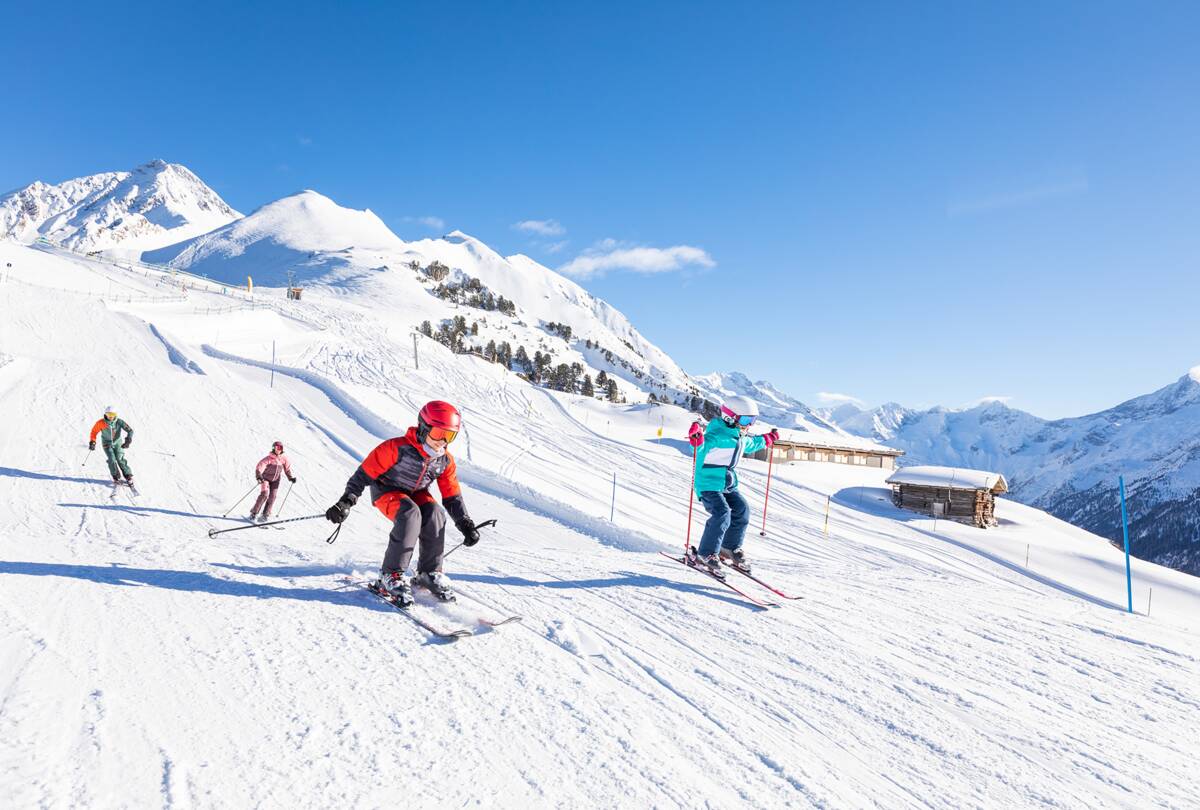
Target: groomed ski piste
143	663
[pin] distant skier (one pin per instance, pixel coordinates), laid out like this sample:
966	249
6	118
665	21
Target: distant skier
269	473
400	472
720	447
110	429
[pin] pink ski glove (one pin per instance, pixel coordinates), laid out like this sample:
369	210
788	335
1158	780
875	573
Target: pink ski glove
696	435
771	438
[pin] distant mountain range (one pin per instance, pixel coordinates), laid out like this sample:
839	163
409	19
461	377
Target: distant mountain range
1068	467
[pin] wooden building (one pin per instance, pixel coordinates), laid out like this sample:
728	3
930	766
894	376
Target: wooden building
797	445
968	496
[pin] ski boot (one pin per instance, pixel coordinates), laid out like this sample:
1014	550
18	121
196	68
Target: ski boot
116	485
129	483
436	583
735	558
709	565
394	586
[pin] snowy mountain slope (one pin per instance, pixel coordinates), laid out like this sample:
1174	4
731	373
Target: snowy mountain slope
776	407
146	663
156	204
324	243
1070	466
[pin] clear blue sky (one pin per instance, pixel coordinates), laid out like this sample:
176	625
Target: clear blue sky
927	203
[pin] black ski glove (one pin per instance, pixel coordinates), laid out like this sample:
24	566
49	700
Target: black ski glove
128	441
469	532
258	478
292	479
337	513
91	445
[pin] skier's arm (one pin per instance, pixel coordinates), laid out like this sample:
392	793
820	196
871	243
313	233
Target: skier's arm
377	462
452	497
754	444
261	467
128	431
96	428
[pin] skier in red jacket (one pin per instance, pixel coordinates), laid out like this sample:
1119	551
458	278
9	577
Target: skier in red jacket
400	472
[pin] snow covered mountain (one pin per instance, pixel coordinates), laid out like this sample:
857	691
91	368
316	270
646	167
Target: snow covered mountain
775	407
354	254
156	204
1069	467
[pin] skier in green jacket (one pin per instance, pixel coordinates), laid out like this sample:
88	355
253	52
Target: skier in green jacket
110	429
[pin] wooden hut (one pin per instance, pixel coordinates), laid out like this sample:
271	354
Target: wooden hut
968	496
798	445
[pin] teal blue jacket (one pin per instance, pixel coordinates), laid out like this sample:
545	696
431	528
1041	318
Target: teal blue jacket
718	457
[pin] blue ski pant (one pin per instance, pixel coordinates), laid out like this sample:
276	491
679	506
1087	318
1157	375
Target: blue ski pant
726	526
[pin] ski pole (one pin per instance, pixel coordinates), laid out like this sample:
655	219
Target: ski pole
285	497
767	497
483	525
239	500
85	458
687	543
215	532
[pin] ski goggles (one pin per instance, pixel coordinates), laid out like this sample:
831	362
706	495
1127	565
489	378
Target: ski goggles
745	421
110	415
442	434
734	419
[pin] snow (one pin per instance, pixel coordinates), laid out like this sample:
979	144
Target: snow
926	476
142	662
123	212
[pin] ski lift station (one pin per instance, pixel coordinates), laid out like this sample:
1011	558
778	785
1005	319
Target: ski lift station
968	496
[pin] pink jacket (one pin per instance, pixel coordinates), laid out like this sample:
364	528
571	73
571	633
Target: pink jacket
268	469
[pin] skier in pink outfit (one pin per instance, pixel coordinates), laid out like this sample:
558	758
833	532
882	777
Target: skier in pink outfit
269	472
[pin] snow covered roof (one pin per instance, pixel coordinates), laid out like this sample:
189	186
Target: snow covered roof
950	477
835	441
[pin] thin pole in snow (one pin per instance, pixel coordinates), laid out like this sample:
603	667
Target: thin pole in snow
416	360
1026	555
613	511
272	364
767	496
1125	529
1148	600
828	498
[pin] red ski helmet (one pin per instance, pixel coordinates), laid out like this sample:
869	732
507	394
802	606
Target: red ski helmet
277	447
438	420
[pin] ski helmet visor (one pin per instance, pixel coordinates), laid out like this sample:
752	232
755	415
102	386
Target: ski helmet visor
732	418
442	434
110	415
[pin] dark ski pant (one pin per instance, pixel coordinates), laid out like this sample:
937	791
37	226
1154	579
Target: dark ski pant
426	523
726	528
266	496
117	465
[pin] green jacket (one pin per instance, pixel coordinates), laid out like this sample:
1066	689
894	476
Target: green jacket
110	432
716	459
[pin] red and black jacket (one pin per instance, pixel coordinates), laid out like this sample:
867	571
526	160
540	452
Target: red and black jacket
401	466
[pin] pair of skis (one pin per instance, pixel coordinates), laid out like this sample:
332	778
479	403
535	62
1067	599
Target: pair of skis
116	486
452	634
763	603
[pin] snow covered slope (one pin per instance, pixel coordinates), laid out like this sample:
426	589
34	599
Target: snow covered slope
143	663
156	204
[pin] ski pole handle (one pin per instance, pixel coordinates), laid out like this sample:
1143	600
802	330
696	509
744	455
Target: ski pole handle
215	532
483	525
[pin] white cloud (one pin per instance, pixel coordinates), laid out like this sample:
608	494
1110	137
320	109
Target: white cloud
556	247
436	223
988	401
1021	197
609	254
830	398
542	227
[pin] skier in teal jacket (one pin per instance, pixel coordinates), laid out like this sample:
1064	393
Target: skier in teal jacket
720	447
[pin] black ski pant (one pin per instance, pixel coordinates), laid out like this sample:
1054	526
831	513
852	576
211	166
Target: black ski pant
426	523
